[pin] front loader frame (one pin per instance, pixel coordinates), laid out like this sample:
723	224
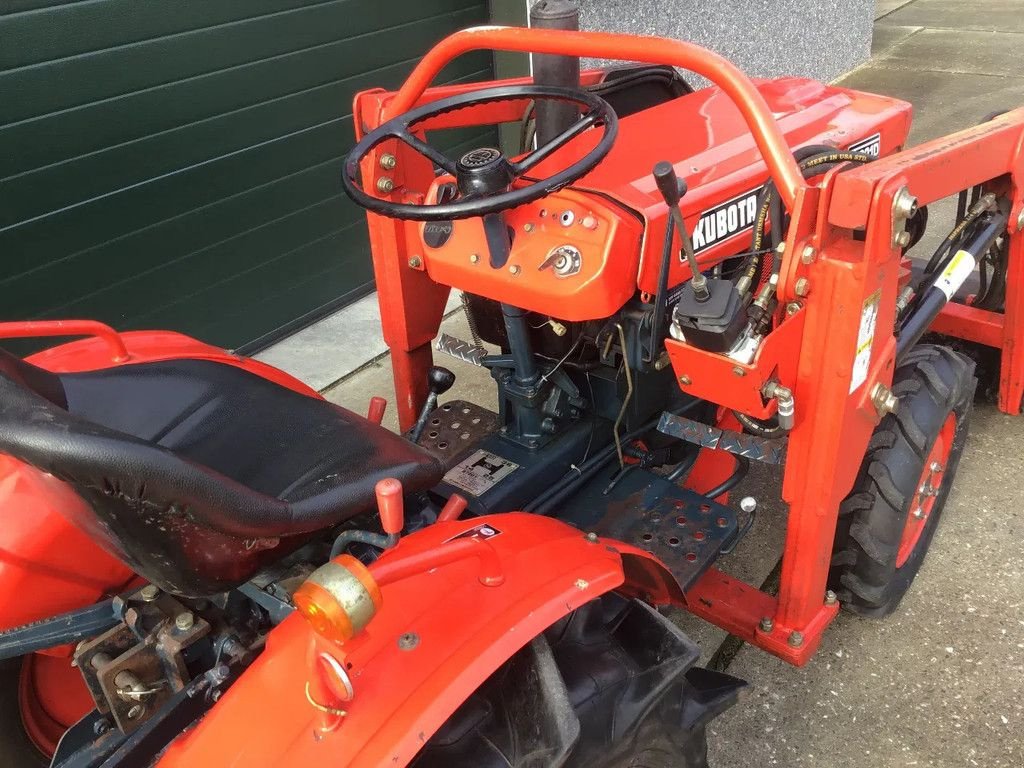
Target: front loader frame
838	347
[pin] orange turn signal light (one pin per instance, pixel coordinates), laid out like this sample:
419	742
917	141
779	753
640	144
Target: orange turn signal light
339	598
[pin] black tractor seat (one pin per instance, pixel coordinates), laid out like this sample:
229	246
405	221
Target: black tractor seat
198	472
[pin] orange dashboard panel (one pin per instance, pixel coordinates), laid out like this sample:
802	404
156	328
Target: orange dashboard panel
574	256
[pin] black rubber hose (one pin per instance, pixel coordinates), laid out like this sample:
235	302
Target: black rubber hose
682	469
378	540
740	472
759	428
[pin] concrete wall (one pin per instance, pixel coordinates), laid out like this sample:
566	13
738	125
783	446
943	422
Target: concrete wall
767	38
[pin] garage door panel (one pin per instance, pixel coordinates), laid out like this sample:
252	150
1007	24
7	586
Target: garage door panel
190	148
60	282
185	169
65	82
67	134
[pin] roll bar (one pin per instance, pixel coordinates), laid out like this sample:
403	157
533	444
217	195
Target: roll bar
606	45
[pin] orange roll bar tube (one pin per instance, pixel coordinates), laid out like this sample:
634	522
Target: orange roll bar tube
606	45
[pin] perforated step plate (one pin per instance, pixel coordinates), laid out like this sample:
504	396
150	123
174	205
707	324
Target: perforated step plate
455	427
685	530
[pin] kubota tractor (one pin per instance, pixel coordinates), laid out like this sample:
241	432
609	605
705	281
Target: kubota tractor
203	563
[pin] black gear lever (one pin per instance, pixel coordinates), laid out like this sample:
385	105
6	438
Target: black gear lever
439	381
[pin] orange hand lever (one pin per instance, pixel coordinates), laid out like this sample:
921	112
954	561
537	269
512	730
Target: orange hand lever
375	413
390	505
453	508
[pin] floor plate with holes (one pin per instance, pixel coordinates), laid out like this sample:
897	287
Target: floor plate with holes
455	427
685	530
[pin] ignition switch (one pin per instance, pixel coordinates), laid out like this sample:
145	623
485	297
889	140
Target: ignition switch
565	261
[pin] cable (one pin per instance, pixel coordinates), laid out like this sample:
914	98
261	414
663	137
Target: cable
740	472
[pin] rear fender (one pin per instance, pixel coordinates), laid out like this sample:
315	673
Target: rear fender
437	637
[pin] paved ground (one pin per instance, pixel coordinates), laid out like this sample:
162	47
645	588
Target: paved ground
942	682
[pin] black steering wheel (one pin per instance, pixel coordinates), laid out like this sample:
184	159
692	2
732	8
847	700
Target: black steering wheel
484	176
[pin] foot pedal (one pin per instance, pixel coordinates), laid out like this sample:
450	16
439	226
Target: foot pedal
461	350
455	427
685	530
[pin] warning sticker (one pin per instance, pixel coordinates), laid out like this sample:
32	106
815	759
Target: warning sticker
955	274
480	472
482	531
865	340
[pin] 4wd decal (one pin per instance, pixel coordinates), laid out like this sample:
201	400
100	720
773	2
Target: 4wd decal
872	145
725	220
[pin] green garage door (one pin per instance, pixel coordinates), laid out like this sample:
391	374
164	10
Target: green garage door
175	163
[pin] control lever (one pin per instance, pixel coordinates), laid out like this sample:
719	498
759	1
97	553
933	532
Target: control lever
390	506
672	189
439	381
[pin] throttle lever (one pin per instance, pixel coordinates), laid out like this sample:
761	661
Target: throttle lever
672	189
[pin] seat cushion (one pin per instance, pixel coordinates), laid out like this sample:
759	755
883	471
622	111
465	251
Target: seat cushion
197	473
266	437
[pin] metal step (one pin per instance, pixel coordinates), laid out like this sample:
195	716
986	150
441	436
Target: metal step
456	427
685	530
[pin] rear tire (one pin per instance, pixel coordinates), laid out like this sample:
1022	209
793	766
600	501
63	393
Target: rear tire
609	686
887	522
16	748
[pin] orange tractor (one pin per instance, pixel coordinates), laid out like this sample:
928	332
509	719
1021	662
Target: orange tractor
206	564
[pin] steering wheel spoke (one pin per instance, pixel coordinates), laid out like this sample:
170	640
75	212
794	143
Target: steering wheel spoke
541	153
433	154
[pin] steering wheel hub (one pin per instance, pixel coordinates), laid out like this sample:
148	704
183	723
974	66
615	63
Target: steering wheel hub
483	171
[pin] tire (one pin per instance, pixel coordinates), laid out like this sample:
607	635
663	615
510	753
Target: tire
16	749
887	522
609	686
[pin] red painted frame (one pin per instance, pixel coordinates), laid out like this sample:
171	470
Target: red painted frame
815	352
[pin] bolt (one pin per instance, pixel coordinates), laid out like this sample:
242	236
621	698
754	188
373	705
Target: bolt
919	513
581	584
474	258
808	254
935	466
136	711
748	504
904	204
528	227
215	696
884	400
388	161
685	380
408	641
737	371
415	262
767	625
1020	220
149	593
592	537
515	269
100	727
830	597
903	239
385	185
793	307
802	287
184	621
796	639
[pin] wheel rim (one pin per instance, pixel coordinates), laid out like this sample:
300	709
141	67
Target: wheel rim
928	485
52	697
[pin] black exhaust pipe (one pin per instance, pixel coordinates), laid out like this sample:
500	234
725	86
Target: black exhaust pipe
553	117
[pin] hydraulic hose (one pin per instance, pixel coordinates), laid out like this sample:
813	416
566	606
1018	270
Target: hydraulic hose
740	472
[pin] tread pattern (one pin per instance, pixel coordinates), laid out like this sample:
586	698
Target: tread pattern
931	382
